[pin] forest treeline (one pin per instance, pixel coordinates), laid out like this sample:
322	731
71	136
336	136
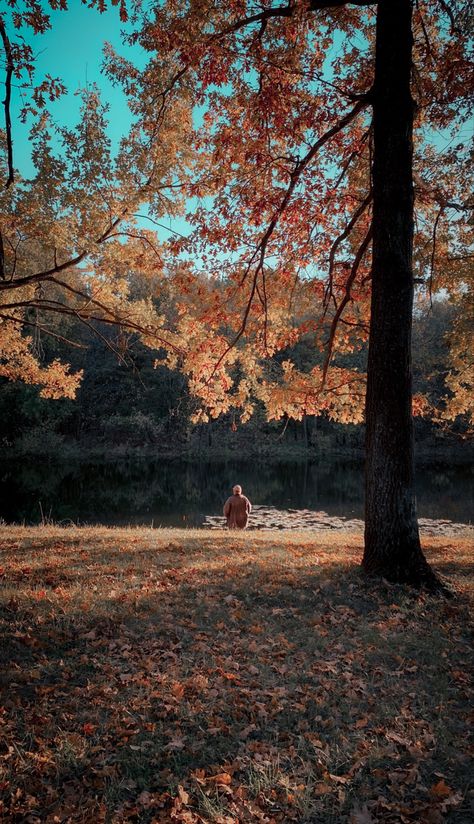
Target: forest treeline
126	405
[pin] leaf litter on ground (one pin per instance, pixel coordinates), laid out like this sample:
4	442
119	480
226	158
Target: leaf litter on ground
188	676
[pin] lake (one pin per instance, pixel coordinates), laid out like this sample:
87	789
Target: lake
180	493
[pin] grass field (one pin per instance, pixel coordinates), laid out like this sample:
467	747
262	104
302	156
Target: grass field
184	676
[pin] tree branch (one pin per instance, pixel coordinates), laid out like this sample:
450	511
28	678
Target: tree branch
2	259
352	156
102	338
261	247
316	5
347	296
113	319
295	176
433	254
332	254
161	225
144	239
67	264
23	322
262	17
6	102
448	10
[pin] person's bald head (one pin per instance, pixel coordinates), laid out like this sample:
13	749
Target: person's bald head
237	489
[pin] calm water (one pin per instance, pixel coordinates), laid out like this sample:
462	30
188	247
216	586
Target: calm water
179	493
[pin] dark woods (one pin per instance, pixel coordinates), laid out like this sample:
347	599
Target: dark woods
125	406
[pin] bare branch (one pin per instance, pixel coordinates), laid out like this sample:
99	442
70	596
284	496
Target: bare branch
161	225
6	102
332	254
448	10
433	254
262	17
316	5
22	322
345	300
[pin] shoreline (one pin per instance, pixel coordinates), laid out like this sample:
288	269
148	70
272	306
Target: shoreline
271	519
264	521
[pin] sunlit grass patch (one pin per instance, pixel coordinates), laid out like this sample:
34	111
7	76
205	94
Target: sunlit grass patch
195	676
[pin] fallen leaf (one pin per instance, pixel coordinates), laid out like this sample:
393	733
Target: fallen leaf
339	779
322	788
441	789
222	778
177	689
362	722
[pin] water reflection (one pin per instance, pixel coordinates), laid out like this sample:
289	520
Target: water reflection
181	492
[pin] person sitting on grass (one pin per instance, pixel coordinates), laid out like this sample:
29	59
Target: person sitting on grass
237	509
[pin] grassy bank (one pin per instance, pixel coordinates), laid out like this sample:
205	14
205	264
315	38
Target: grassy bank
183	676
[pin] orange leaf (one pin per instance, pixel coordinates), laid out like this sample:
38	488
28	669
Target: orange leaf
339	779
441	789
177	689
184	796
322	789
199	776
222	778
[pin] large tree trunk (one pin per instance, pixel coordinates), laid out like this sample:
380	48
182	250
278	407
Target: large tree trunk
392	543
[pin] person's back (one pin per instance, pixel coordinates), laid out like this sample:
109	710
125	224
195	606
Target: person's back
237	509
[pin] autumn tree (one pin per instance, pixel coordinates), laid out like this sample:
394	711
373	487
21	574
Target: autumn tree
299	177
71	237
303	192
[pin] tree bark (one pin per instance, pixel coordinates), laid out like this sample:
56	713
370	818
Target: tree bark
392	543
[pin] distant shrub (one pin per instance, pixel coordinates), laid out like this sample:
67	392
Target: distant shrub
136	429
41	441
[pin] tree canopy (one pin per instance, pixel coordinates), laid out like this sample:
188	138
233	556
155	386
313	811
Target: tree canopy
256	120
70	236
280	188
320	153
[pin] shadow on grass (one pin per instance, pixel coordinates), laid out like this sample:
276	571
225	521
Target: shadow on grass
279	671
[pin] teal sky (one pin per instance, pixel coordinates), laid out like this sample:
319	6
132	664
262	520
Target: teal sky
72	51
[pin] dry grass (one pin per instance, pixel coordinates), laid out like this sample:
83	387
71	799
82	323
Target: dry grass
198	676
